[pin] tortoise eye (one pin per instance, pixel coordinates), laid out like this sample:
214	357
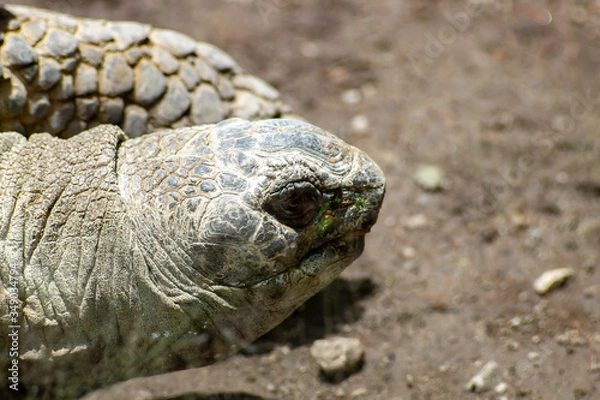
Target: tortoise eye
296	205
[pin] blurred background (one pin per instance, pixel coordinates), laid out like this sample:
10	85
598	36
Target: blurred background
484	116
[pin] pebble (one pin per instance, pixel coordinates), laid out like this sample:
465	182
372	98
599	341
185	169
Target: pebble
484	379
533	356
429	177
150	83
16	52
57	43
416	221
351	96
176	43
360	124
359	392
501	388
207	106
174	103
116	76
552	279
338	357
571	338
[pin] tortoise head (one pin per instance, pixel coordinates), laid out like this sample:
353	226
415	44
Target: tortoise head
265	213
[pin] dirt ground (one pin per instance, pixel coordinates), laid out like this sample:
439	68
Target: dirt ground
500	95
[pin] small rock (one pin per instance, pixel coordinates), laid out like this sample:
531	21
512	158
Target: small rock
351	96
512	345
309	49
533	356
429	177
338	357
552	279
360	124
360	392
408	252
501	388
484	379
571	338
416	221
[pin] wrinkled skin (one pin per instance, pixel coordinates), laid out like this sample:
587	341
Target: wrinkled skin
136	256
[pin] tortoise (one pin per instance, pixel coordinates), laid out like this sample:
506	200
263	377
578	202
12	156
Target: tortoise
169	212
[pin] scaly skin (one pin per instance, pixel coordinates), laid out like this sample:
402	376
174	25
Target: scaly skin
133	257
126	257
62	75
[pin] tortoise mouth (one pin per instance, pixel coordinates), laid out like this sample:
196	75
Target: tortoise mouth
329	259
